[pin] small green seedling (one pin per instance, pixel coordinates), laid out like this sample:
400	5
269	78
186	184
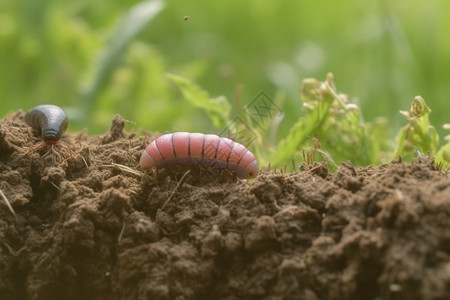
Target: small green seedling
330	118
418	136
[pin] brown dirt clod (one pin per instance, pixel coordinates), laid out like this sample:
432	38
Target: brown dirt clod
95	226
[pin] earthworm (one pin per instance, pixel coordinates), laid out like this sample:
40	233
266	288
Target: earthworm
50	120
184	148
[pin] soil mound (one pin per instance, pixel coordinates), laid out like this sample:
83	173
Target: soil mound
92	225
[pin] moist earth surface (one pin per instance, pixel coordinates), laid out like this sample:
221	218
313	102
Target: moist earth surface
88	223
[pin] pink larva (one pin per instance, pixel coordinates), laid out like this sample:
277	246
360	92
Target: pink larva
183	148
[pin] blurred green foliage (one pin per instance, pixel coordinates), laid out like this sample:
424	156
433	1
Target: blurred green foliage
332	121
383	52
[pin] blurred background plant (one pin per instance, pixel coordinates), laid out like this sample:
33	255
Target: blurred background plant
99	58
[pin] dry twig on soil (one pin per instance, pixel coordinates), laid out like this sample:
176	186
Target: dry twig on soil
7	203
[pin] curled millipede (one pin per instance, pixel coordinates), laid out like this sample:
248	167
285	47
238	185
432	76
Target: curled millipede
51	122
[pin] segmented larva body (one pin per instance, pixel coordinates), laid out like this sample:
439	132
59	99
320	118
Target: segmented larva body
183	148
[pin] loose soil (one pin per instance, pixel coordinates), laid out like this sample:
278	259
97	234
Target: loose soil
92	225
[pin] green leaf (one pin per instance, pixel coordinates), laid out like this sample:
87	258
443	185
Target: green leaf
217	109
443	155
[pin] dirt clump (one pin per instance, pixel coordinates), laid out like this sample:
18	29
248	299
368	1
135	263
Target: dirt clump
93	225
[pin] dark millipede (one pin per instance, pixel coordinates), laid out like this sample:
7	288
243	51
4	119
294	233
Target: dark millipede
50	120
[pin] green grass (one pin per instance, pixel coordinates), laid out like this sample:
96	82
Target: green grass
99	58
